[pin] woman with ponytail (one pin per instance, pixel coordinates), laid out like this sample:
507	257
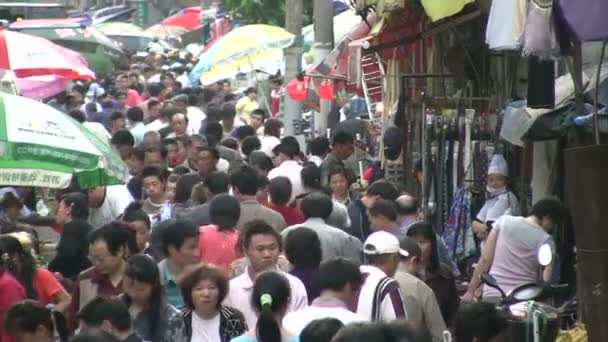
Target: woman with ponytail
270	298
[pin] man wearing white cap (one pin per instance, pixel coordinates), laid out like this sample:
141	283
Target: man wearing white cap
380	298
499	200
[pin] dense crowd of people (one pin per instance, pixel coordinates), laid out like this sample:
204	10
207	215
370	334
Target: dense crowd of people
230	231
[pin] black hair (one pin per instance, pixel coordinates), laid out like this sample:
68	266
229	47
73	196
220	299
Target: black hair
549	207
179	112
12	247
270	295
176	233
411	246
94	336
218	183
339	170
286	149
135	114
335	274
250	144
384	189
272	127
153	171
9	200
153	103
196	137
77	201
102	309
107	104
116	235
212	150
123	138
139	153
135	213
78	115
303	248
280	190
319	146
317	205
479	321
261	160
245	131
258	227
162	150
245	180
385	208
311	176
231	143
408	206
91	107
259	111
321	330
169	141
214	132
342	138
224	211
26	317
227	110
142	268
426	231
116	116
293	144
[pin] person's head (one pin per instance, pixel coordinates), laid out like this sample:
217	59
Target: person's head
411	263
261	244
231	143
214	132
319	147
109	315
226	87
317	205
136	160
243	132
498	171
141	282
252	93
151	138
181	153
303	248
198	195
204	287
249	145
153	180
95	336
30	321
171	186
227	113
343	145
107	105
379	189
284	152
180	242
272	128
11	205
321	330
78	115
340	277
244	181
117	122
217	183
171	145
338	181
156	156
479	322
549	212
96	196
121	98
280	190
382	214
123	141
276	83
270	298
109	247
179	123
207	158
154	109
19	262
139	222
425	236
196	142
122	82
135	115
73	206
382	250
257	118
261	163
311	177
407	206
224	211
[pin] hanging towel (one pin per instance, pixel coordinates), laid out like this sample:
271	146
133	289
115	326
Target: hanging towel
439	9
506	24
539	37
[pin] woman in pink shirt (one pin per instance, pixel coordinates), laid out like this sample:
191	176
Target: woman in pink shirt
11	293
218	243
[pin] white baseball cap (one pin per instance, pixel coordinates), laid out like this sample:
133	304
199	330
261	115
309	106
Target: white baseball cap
383	243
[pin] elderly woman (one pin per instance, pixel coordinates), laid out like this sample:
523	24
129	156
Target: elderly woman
204	287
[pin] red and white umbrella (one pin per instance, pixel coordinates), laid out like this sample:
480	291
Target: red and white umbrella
29	56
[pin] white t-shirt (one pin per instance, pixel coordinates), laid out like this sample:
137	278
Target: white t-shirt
116	201
292	170
195	117
295	322
205	329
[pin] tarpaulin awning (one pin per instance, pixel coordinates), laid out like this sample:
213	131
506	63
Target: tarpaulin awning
188	18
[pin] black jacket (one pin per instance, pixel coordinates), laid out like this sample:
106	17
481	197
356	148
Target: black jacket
232	323
72	250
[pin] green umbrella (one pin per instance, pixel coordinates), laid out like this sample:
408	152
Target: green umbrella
102	53
130	36
42	147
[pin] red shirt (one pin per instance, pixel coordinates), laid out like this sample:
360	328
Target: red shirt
219	248
11	293
133	98
291	215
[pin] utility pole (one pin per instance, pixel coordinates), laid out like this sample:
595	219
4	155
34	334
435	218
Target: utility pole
292	109
323	15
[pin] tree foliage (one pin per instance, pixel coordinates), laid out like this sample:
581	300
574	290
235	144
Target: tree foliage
270	12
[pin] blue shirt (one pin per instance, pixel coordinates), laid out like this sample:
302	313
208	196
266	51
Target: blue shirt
172	290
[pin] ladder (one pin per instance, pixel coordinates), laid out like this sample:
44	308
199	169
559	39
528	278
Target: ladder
372	81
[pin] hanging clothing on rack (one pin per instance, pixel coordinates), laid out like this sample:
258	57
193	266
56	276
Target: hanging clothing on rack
458	234
506	24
